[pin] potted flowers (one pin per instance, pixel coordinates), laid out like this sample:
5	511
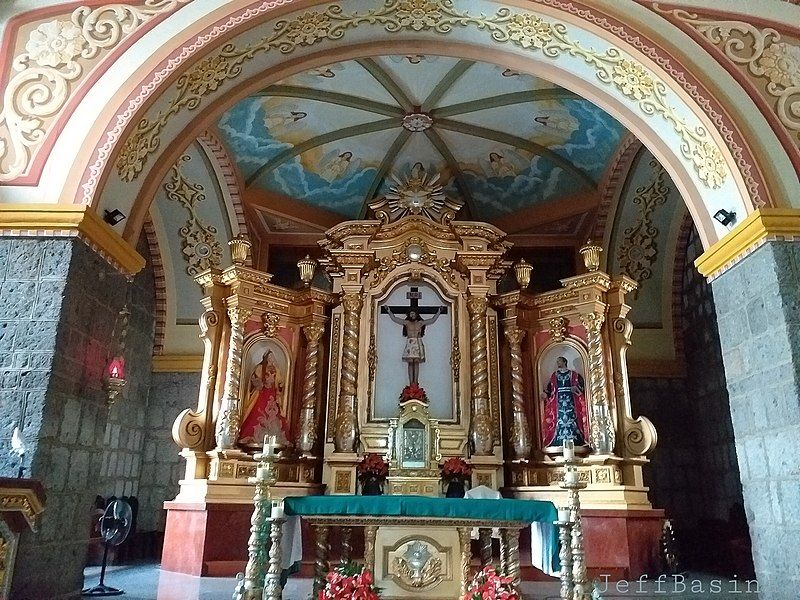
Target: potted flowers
413	392
349	580
455	473
372	471
488	585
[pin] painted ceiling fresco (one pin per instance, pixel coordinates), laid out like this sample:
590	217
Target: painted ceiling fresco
502	140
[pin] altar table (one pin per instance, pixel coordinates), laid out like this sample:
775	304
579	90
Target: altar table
372	512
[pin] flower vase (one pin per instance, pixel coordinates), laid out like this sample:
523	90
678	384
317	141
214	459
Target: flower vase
455	489
371	486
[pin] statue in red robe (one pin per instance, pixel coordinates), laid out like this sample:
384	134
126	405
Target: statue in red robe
261	415
565	415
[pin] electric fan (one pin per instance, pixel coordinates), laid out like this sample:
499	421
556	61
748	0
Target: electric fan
115	525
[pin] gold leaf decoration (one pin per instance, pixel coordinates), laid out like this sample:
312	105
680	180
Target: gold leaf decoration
762	53
56	57
639	249
199	244
525	30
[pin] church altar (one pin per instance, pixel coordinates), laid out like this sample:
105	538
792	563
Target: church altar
422	565
424	348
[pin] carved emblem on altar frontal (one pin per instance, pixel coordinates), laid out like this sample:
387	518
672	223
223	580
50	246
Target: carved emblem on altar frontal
418	566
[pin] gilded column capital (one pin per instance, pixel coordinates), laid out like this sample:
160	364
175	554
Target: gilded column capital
477	305
352	302
593	321
514	334
239	315
313	332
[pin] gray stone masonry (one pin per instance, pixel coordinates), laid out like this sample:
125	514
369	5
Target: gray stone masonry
60	303
758	311
162	466
716	473
693	473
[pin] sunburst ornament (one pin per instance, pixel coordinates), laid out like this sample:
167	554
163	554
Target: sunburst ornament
418	193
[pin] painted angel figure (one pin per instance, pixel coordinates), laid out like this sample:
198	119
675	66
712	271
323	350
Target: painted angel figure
338	165
503	163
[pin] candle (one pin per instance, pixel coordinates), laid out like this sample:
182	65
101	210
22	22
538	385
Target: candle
262	473
563	515
277	510
572	477
569	450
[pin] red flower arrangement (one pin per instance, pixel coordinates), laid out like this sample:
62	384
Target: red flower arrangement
456	468
413	392
488	585
349	581
372	465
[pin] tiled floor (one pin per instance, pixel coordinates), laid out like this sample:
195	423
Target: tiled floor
148	582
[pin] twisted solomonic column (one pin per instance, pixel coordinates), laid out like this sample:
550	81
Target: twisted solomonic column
345	437
481	435
308	408
603	433
520	430
229	421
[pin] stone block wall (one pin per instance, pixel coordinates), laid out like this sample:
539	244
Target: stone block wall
62	302
670	472
693	473
758	311
162	466
716	471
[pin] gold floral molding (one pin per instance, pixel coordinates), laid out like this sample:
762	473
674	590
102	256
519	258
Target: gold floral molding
762	53
639	250
427	257
57	54
199	244
440	16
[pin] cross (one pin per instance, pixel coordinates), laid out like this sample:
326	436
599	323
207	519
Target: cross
414	296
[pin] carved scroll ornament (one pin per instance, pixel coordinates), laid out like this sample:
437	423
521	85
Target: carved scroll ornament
56	56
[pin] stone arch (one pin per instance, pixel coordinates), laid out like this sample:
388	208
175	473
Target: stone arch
602	41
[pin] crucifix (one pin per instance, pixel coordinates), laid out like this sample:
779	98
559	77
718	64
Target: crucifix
414	329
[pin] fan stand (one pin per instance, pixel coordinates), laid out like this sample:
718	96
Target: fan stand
101	589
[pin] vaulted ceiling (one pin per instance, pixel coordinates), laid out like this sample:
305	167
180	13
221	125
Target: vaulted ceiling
333	138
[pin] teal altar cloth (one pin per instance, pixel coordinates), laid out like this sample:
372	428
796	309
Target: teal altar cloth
481	512
521	511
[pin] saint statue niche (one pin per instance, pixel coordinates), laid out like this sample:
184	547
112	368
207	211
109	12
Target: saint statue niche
565	415
262	412
413	331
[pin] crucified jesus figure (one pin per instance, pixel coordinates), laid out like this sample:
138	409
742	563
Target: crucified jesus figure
413	330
